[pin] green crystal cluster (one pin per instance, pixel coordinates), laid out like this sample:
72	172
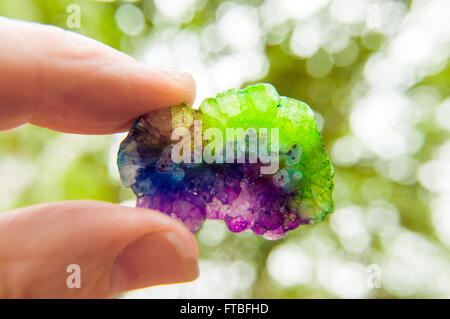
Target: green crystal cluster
260	106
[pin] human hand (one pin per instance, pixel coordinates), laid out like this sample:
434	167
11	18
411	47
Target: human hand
66	82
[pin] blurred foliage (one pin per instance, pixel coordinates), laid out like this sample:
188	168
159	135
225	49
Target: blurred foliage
390	209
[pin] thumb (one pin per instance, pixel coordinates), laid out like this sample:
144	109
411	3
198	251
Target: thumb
115	249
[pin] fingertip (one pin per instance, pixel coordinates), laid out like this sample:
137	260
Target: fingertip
154	259
191	87
184	79
180	86
74	84
164	255
117	248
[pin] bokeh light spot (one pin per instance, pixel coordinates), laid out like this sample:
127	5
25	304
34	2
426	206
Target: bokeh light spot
130	19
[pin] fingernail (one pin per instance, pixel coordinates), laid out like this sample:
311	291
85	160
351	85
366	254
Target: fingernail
154	259
173	73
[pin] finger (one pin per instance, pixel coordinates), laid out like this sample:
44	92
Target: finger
67	82
116	248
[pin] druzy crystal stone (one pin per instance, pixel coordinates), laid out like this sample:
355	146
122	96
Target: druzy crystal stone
232	188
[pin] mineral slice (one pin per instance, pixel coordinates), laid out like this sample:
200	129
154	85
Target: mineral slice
249	157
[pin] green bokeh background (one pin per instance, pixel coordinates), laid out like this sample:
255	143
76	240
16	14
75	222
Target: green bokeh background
386	215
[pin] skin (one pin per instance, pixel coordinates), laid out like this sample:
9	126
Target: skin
66	82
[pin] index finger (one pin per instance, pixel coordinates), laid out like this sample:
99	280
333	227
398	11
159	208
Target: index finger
64	81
